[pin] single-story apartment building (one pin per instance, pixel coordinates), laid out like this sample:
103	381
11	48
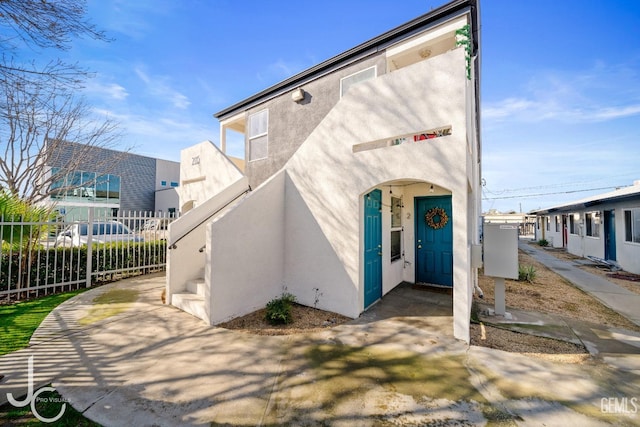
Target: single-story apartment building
605	226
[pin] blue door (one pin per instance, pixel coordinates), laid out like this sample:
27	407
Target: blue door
372	247
610	235
434	240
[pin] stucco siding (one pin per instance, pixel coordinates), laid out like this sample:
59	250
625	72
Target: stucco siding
290	123
245	256
204	173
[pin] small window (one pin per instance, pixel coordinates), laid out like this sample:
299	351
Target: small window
163	183
355	78
574	220
396	212
174	184
258	135
558	227
592	224
396	228
547	222
396	245
632	225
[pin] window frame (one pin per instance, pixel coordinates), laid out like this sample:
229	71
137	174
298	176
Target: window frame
574	224
631	217
252	138
396	216
592	224
375	75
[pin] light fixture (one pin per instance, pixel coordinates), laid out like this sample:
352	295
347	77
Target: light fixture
297	95
431	190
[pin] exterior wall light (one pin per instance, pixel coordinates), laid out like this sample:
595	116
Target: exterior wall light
297	95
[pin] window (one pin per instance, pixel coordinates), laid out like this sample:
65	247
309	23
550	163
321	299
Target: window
632	225
592	223
396	228
355	78
258	135
163	183
574	220
396	245
547	221
558	227
174	184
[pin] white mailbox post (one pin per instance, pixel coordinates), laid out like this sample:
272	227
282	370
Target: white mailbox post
500	243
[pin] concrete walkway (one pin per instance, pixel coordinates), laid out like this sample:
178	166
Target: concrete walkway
125	359
613	296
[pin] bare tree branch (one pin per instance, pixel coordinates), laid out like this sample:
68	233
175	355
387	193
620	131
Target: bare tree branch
44	24
35	128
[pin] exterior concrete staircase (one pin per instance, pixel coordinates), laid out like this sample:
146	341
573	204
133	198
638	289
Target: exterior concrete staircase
192	299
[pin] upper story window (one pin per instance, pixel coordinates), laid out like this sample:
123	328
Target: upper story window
355	78
81	186
258	135
632	225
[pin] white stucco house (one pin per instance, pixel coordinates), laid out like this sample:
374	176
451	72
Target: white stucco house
361	173
605	226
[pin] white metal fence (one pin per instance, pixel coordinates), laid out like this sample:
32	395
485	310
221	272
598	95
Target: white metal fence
55	255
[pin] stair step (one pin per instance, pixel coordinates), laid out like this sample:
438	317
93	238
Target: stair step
190	303
197	286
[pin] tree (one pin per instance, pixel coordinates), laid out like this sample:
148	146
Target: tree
40	25
34	126
39	108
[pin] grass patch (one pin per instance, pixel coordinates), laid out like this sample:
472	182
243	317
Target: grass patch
49	405
19	321
109	304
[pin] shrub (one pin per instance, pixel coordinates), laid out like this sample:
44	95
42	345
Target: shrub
526	273
543	242
279	309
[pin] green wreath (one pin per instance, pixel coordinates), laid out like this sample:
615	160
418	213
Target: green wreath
433	213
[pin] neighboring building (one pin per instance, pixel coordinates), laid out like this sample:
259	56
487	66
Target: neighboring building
526	223
605	226
365	172
111	181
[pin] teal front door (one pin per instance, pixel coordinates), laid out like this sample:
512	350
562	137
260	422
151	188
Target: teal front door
372	247
610	235
434	240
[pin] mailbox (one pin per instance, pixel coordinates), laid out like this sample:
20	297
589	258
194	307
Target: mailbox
500	243
501	250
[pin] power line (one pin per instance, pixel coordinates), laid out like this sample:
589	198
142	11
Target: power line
549	194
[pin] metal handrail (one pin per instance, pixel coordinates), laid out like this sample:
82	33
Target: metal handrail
174	244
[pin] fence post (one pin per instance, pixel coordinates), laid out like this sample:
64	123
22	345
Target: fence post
90	247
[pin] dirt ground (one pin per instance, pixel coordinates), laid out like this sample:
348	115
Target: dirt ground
548	293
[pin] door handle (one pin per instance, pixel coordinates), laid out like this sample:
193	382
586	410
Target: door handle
419	246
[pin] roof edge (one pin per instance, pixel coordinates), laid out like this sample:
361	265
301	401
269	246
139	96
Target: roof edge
434	15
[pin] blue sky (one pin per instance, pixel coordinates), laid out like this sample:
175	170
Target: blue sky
560	79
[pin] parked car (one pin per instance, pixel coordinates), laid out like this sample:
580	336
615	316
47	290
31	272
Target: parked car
155	229
103	232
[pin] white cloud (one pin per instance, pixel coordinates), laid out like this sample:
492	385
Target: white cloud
108	90
599	94
159	87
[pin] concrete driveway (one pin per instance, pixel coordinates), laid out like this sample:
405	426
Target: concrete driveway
121	357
